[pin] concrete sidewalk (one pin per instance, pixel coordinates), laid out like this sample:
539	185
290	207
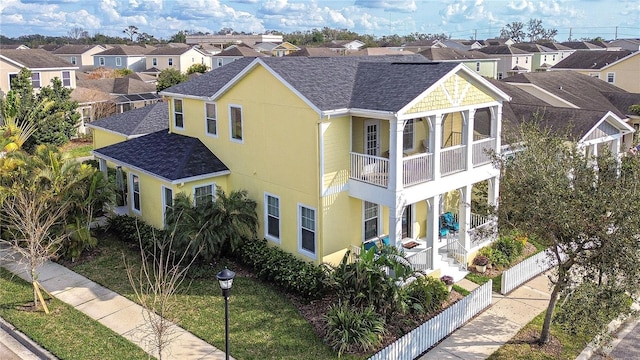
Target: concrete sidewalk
112	310
484	334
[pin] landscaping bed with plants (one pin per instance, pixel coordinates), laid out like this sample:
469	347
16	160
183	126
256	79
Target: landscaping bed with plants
507	251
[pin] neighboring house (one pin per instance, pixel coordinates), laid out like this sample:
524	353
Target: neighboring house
104	97
511	59
348	44
233	53
584	45
316	51
497	42
123	57
543	57
284	49
131	124
572	90
563	51
619	68
459	44
379	51
336	151
44	68
626	44
592	129
79	55
13	47
180	58
479	62
223	41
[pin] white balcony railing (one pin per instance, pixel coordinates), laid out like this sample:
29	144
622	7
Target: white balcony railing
370	169
481	151
452	159
417	169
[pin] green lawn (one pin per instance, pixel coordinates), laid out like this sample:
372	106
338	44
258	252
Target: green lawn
65	332
80	151
521	347
263	323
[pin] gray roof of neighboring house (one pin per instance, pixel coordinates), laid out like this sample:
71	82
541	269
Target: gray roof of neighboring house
591	59
169	50
533	48
125	50
622	100
36	59
555	46
10	46
330	82
124	86
379	51
73	49
316	51
503	50
583	45
240	51
165	155
581	90
141	121
437	54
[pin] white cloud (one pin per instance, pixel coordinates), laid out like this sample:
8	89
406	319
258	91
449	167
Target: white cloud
13	19
522	6
465	11
389	5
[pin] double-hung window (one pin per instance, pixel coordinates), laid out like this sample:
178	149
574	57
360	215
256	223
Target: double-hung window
272	217
35	80
611	78
203	194
307	231
370	220
154	61
178	114
66	78
167	201
118	61
135	193
170	61
478	66
101	61
407	135
235	122
210	118
74	60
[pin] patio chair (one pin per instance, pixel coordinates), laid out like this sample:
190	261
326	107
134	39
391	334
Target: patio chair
449	221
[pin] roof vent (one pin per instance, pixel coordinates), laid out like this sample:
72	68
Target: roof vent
560	87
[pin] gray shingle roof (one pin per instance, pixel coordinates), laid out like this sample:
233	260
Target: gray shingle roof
329	82
591	59
126	50
165	155
168	50
140	121
391	86
503	50
73	49
240	51
36	59
437	54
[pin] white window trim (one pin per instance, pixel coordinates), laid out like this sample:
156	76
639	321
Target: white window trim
266	218
9	78
413	135
315	232
477	66
39	79
213	191
241	140
206	120
364	220
74	60
614	77
173	114
170	61
131	200
118	61
164	203
62	77
101	61
154	61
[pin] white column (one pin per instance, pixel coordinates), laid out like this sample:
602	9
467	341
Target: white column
464	216
102	164
395	224
496	126
493	191
469	115
395	155
437	144
433	225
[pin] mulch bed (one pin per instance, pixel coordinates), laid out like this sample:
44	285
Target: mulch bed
529	249
553	348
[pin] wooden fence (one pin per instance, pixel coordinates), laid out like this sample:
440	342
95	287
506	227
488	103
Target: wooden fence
422	338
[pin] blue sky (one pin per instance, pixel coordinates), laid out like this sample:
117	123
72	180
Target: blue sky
458	18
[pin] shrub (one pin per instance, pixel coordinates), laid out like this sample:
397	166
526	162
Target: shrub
283	269
197	68
509	246
446	279
127	228
352	330
429	292
480	260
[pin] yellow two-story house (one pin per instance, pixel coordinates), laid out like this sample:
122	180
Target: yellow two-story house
337	152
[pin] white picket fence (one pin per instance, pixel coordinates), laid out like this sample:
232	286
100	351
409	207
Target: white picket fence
437	328
527	270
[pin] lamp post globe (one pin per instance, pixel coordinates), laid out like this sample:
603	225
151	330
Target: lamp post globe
225	280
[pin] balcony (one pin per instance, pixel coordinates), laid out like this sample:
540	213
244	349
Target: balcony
419	168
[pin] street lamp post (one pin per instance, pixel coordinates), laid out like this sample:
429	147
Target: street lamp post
225	278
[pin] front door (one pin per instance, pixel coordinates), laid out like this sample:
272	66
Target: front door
406	222
372	137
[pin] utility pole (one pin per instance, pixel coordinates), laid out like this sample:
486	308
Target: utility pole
616	36
475	34
570	29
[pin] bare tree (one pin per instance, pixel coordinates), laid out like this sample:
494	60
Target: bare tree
160	277
32	241
514	31
131	31
77	33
